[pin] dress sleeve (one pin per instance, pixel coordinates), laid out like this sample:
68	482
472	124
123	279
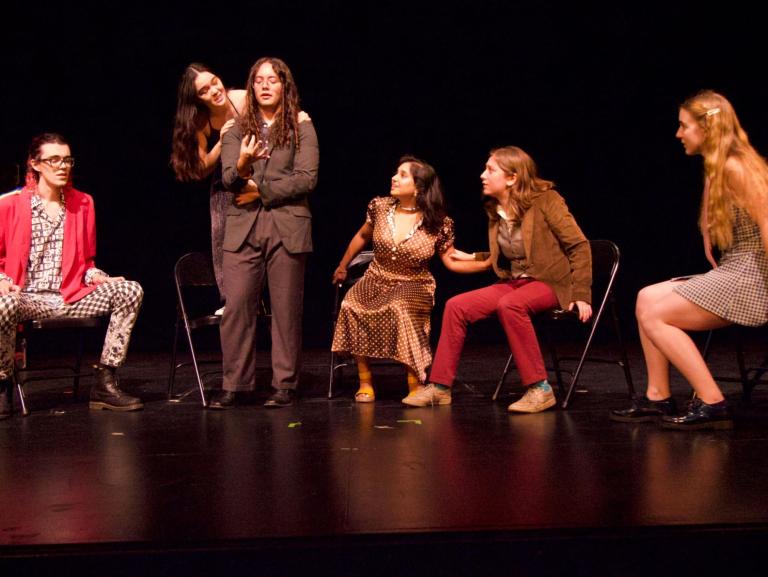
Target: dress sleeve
445	237
370	214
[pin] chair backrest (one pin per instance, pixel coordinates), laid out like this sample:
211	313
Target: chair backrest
356	269
605	265
196	288
194	269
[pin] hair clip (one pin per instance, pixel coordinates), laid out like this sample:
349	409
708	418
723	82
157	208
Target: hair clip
713	111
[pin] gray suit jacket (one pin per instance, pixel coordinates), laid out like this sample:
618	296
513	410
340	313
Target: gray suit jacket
285	180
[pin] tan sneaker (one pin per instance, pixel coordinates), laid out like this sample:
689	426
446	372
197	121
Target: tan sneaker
534	400
428	395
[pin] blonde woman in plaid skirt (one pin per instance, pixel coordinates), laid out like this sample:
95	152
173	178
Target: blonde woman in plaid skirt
733	219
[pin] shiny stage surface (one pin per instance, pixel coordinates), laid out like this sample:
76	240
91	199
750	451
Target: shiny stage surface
175	483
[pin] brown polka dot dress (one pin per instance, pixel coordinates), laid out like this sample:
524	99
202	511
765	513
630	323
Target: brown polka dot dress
386	314
737	290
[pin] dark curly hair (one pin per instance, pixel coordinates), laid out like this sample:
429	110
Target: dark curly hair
286	123
430	199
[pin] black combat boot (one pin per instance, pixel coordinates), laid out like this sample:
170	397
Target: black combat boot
106	393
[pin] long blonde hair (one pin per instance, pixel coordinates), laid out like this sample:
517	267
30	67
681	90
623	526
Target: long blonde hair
725	138
514	160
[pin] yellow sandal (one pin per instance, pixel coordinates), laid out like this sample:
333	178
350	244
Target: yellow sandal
365	394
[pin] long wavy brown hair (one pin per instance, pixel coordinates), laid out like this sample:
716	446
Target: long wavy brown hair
515	161
286	125
725	138
191	117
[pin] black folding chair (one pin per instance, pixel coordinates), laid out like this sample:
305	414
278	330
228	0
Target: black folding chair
197	297
605	265
749	376
355	271
24	373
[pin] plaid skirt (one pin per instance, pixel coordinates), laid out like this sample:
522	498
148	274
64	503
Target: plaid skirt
737	290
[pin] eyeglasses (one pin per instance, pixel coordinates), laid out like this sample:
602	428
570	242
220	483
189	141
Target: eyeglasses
271	80
59	161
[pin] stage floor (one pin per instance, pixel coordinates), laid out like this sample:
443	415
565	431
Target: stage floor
334	487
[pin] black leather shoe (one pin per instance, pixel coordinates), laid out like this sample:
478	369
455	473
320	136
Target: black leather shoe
700	415
281	398
223	400
6	399
106	393
644	409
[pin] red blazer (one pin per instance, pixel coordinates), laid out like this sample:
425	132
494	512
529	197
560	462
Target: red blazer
79	248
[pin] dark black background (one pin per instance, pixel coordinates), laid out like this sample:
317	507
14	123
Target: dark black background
591	92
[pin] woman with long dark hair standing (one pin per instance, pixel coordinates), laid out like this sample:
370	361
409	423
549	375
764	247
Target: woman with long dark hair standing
205	111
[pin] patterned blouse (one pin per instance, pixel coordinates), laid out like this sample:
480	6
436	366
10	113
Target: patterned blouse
46	249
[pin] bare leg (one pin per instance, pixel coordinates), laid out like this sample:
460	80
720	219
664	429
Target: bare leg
663	321
656	363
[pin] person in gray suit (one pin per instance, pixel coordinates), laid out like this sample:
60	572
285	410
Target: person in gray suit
270	160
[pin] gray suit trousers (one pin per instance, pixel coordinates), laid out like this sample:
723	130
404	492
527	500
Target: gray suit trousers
262	254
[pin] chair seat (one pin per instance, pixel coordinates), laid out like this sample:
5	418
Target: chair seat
23	372
65	323
206	321
561	314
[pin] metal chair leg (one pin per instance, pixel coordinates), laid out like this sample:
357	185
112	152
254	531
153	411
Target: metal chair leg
332	376
746	384
555	360
623	348
195	365
577	372
78	364
503	376
174	350
20	391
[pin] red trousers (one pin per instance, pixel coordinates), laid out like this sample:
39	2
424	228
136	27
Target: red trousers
515	302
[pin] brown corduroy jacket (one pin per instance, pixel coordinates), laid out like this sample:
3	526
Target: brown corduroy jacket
556	251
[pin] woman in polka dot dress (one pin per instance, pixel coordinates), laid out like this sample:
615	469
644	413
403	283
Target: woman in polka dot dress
387	313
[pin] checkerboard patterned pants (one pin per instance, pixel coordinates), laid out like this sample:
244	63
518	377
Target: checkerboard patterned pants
121	298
